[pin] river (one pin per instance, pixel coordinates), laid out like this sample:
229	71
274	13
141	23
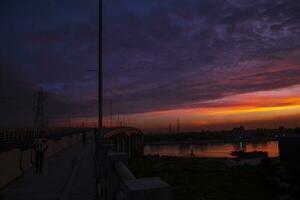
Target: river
211	150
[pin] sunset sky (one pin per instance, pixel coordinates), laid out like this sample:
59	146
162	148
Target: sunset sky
213	64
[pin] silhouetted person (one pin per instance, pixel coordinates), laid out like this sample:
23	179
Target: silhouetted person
83	138
40	147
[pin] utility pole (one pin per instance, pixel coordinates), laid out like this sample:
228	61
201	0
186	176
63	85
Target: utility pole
40	120
111	115
100	75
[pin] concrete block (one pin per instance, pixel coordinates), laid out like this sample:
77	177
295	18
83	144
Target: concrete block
147	189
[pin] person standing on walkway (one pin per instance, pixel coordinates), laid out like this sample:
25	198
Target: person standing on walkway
40	147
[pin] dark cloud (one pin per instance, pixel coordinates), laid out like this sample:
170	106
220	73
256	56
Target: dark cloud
49	44
18	100
177	53
157	54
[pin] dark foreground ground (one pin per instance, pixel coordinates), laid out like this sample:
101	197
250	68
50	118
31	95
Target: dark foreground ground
213	179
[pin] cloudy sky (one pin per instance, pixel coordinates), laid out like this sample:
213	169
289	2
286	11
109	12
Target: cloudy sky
212	63
50	44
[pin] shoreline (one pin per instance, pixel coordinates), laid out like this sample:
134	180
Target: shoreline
216	141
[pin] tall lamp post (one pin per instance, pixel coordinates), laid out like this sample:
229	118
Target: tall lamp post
100	76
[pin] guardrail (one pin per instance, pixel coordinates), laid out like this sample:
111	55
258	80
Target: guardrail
115	180
24	137
16	161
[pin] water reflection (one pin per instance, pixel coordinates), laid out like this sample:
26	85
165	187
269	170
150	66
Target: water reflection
217	150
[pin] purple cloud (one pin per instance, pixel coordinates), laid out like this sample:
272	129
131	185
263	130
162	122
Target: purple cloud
177	53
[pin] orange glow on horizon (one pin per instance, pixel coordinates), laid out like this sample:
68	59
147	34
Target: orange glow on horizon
241	108
235	109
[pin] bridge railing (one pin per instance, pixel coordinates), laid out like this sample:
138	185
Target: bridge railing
18	156
115	180
24	137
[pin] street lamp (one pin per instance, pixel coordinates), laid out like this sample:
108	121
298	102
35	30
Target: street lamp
100	75
100	97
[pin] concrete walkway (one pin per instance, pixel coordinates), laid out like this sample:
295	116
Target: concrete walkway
68	175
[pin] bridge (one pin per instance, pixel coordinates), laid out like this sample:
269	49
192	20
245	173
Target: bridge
125	139
73	170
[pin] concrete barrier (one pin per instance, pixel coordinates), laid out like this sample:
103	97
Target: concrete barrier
52	148
70	140
10	166
65	142
56	146
115	180
146	188
59	145
26	156
15	162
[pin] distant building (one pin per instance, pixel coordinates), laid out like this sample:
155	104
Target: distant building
238	132
289	148
238	129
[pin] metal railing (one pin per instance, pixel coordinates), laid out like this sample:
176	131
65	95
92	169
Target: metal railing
23	137
17	160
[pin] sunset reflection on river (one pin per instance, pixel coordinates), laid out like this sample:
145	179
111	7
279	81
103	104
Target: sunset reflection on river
211	150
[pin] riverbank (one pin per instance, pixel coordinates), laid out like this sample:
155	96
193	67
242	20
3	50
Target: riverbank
217	149
234	135
211	178
210	141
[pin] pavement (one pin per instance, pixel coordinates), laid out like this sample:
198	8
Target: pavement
67	175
